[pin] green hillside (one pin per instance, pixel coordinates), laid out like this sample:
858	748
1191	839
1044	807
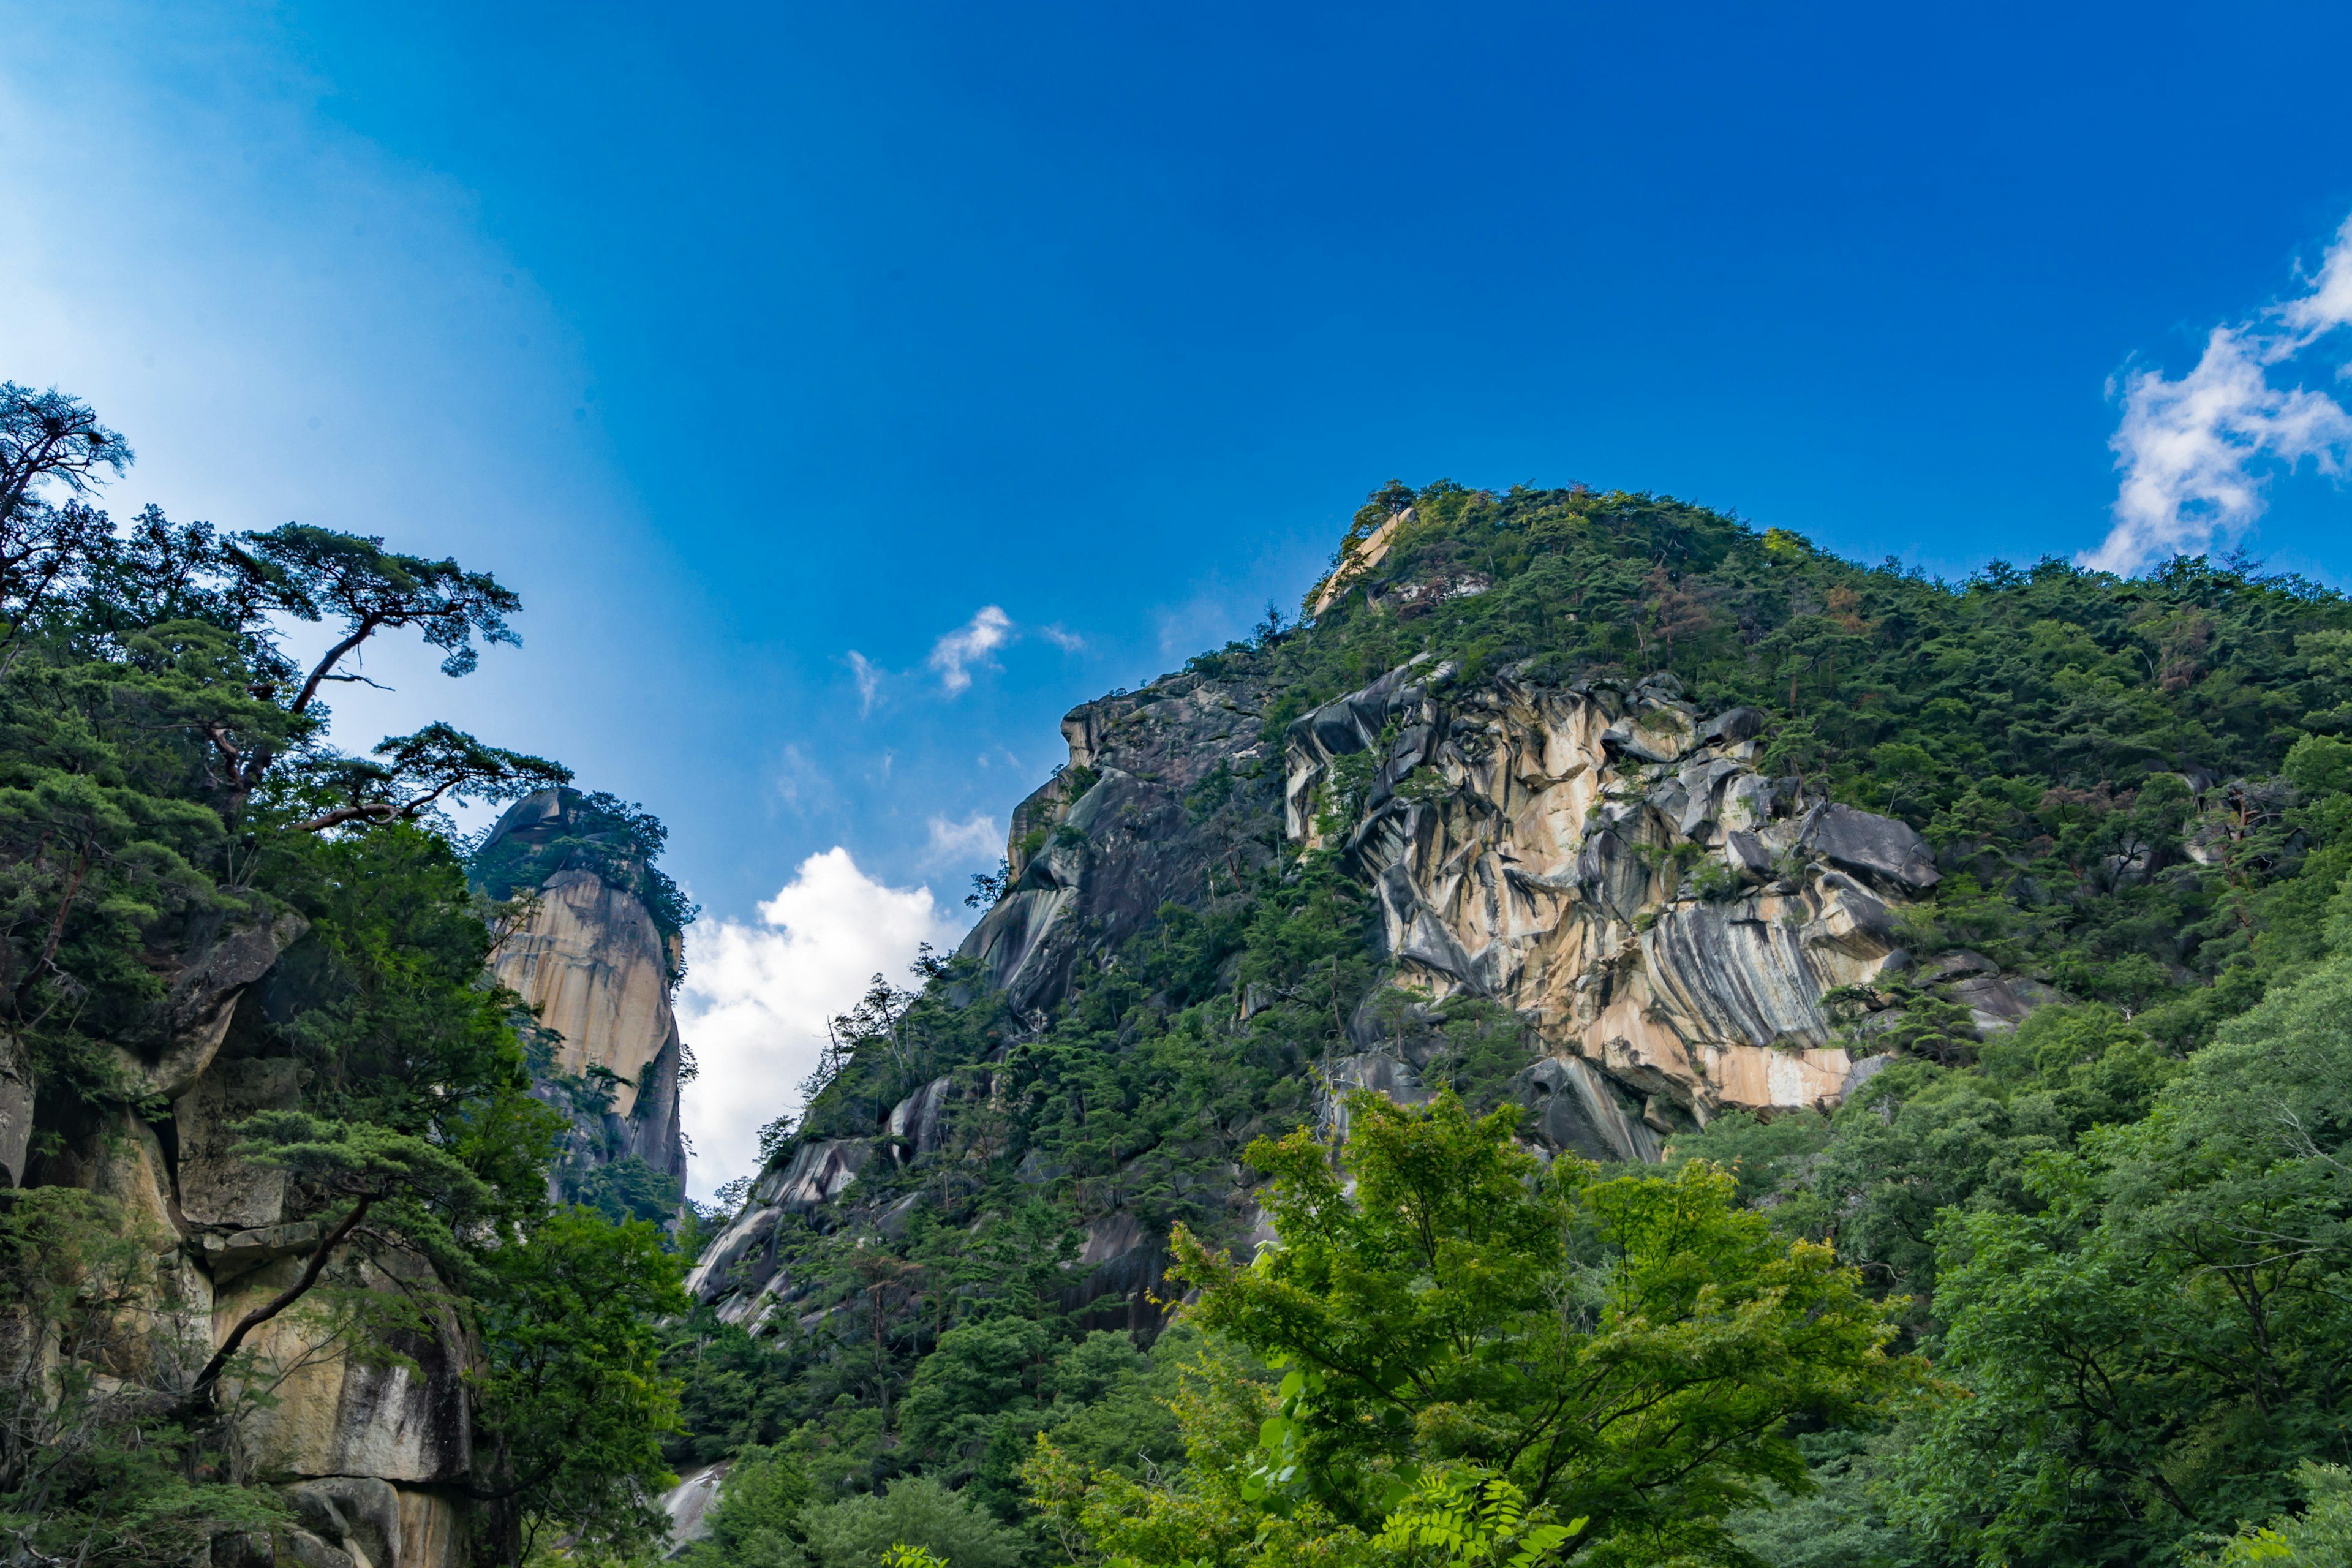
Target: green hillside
2108	1243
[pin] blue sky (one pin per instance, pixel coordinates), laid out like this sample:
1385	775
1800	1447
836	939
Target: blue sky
745	340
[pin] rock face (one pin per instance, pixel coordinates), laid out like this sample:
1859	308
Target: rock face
1678	934
593	962
1164	798
1605	860
1608	862
370	1450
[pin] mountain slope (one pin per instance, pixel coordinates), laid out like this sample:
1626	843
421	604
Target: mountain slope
1675	835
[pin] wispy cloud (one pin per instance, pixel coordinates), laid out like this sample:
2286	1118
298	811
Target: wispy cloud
1067	641
976	838
2196	454
869	681
954	655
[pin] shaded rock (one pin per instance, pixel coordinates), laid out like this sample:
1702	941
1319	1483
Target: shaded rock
216	1186
1994	1005
229	1256
1655	732
308	1551
1869	845
1745	854
1863	1071
201	1004
1121	1264
1733	725
16	1112
360	1514
1146	834
1579	1111
1376	1071
405	1420
921	1120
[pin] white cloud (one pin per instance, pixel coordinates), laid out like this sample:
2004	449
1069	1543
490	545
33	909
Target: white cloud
869	681
1067	641
2328	305
954	653
975	838
2196	454
757	996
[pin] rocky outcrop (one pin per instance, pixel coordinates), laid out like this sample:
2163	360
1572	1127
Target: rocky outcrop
1607	861
1162	800
739	1270
597	968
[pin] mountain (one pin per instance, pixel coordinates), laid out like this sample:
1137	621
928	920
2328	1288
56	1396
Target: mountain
1676	838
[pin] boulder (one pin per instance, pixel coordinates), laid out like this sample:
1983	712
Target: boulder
1879	848
359	1514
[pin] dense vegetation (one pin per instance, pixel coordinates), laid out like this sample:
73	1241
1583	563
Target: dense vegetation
2073	1294
2110	1245
167	792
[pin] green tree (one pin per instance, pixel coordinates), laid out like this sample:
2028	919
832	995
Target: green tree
2151	1355
573	1406
915	1511
1630	1352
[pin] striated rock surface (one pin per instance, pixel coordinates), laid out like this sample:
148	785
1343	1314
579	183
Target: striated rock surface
1608	862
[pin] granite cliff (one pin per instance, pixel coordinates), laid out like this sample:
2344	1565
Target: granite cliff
597	965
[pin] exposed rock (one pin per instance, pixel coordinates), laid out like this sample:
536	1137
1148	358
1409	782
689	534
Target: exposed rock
229	1256
1534	875
1374	1071
201	1004
334	1414
130	1169
216	1186
688	1505
15	1110
1579	1111
1876	847
920	1120
1863	1071
307	1550
1178	775
359	1514
1122	1260
598	968
739	1269
1366	554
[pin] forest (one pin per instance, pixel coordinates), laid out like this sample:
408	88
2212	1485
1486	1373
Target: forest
2072	1291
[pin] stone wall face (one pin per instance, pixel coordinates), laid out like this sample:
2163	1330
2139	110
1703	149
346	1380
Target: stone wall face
592	961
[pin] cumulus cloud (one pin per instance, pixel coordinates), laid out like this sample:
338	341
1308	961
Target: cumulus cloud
757	996
955	653
2197	453
975	838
